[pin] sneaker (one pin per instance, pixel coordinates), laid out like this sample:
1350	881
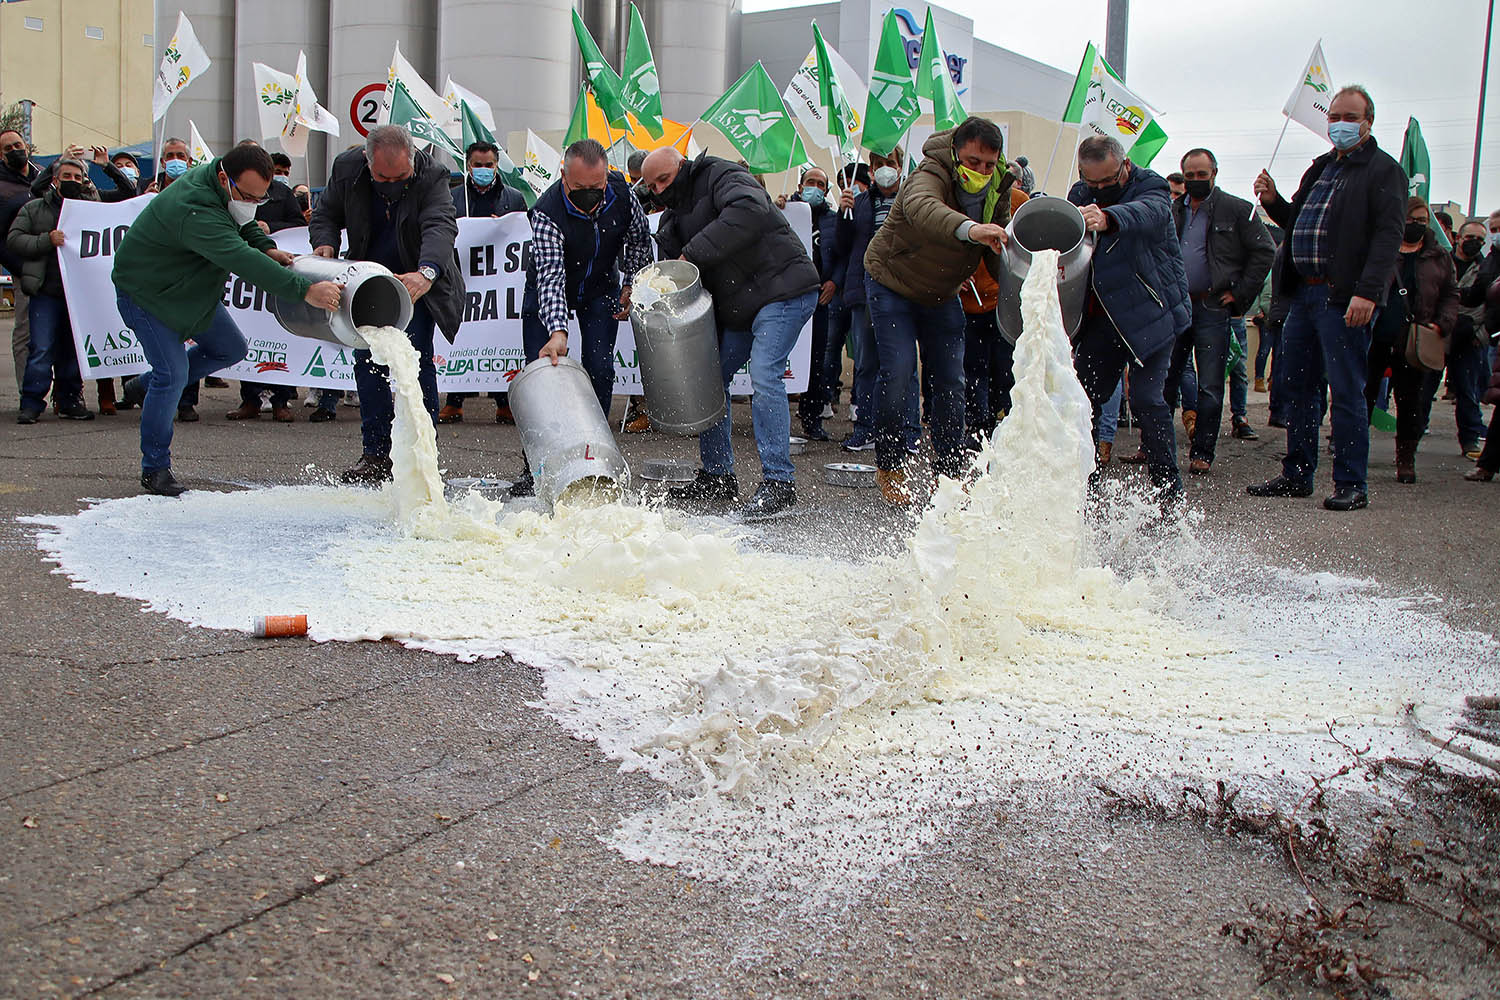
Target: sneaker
1479	474
265	405
75	411
853	413
370	470
1470	450
773	498
451	414
187	415
858	441
827	414
214	382
321	416
351	399
1243	430
161	483
1281	486
311	400
706	492
914	445
892	484
1347	498
28	416
813	430
245	411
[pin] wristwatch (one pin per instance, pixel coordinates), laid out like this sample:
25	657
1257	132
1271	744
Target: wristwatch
428	271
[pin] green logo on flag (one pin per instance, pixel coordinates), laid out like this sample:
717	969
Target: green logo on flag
315	366
88	349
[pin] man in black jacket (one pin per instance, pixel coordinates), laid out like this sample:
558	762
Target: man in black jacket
1226	252
1343	235
16	176
397	208
765	289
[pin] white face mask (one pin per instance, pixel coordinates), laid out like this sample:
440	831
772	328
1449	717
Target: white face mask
886	177
243	212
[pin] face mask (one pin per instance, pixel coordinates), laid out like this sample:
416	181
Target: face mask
389	190
586	200
16	159
886	177
131	174
282	179
175	168
813	196
678	195
483	176
1471	245
70	189
242	212
1414	231
972	181
1344	135
1198	189
1108	194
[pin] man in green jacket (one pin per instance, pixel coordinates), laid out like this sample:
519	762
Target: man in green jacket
169	280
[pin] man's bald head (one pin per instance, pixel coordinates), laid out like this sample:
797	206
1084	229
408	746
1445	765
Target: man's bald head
660	169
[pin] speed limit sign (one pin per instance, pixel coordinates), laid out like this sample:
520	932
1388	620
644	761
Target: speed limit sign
364	110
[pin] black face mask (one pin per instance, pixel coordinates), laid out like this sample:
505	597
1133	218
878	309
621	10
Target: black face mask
1198	189
1471	246
389	190
679	194
586	200
1414	231
16	159
1108	194
70	189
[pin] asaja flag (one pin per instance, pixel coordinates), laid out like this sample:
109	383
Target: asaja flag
892	103
578	125
641	88
935	82
198	150
1418	167
406	113
543	163
183	62
604	81
1308	104
1103	105
753	118
475	129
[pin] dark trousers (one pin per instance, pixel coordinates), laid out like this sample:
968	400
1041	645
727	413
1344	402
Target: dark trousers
457	398
1468	371
281	395
1317	347
1489	458
902	329
839	322
989	372
1270	333
376	408
1099	359
1408	387
52	361
597	329
810	406
1207	343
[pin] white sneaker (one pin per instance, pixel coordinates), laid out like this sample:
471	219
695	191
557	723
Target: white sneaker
827	413
351	399
265	402
853	413
312	399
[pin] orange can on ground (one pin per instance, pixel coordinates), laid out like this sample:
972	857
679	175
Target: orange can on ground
279	626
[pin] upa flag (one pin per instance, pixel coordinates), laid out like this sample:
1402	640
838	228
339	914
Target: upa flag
892	104
198	150
935	83
288	107
543	163
642	90
753	118
1103	105
183	62
1308	105
604	81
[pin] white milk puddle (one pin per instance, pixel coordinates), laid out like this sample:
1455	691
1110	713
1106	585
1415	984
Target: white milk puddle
815	722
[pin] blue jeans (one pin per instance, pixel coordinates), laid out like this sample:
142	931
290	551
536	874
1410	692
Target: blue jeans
1207	341
1099	358
376	408
1316	347
766	345
1269	332
902	328
810	406
172	368
597	328
833	355
1109	414
52	353
989	362
1468	374
866	393
1239	383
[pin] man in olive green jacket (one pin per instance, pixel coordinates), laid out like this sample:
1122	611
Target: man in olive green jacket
169	280
949	216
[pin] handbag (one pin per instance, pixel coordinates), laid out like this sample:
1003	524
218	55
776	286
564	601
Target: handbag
1426	348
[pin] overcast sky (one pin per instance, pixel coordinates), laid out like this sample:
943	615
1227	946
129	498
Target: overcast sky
1220	73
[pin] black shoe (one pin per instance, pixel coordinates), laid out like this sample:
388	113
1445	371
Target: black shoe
162	483
813	431
321	416
187	415
133	391
214	382
1276	422
1281	486
76	411
28	416
773	498
524	486
1244	431
706	492
370	470
1346	498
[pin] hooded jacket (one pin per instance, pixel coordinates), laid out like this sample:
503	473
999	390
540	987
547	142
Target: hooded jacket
30	241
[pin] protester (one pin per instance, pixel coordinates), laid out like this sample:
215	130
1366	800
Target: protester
482	195
947	217
1138	304
175	161
1177	185
396	206
303	194
1027	183
169	276
124	184
1468	347
585	226
989	357
1423	290
1445	222
1226	253
130	173
16	176
33	239
1344	231
813	191
765	288
1488	462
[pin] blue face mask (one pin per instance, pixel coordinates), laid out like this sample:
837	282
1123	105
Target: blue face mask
483	176
813	196
131	174
1344	135
175	168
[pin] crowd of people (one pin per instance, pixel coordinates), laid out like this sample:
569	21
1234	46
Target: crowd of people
1359	305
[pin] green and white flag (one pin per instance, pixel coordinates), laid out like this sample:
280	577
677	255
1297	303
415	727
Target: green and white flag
1418	167
642	89
892	105
543	163
843	122
418	93
578	125
288	108
1103	105
1308	103
198	151
406	113
935	83
476	120
752	116
828	102
182	62
603	81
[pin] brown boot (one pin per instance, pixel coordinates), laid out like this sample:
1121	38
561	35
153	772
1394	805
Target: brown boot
1103	452
282	414
1479	474
1138	458
640	425
451	414
892	483
1189	423
1406	461
246	411
107	397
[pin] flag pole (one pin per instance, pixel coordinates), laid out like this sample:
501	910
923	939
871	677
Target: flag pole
1056	142
1255	201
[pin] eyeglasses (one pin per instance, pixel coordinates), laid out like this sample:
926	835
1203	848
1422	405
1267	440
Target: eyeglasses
245	197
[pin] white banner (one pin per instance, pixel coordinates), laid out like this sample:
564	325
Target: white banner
486	354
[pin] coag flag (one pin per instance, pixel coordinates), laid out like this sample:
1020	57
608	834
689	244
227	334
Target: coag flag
183	62
892	104
753	118
935	83
641	90
1308	104
604	81
198	150
1103	105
